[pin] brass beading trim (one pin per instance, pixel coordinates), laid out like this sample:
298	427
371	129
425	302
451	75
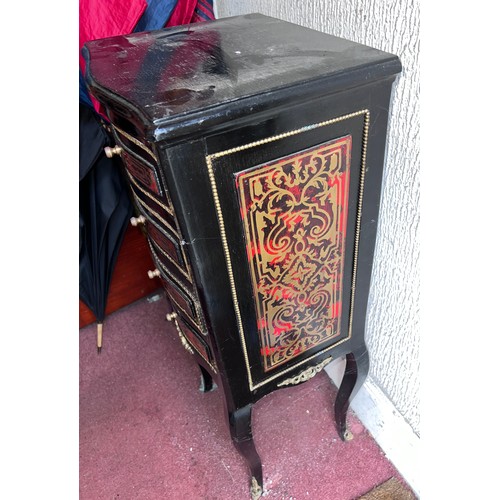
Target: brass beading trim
209	158
184	341
357	229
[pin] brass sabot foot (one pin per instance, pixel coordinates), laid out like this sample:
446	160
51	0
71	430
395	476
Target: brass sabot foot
255	490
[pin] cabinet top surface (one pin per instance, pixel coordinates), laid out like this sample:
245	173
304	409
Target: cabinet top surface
181	70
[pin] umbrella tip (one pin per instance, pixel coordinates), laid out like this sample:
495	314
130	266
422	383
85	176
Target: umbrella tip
99	338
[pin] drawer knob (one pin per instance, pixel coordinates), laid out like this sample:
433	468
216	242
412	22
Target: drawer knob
153	274
110	152
135	221
171	316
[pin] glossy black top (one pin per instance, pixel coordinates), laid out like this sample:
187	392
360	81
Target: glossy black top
171	74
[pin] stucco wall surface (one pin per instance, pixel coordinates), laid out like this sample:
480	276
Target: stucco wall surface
392	330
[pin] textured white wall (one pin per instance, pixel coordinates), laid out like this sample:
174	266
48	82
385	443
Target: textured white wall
393	313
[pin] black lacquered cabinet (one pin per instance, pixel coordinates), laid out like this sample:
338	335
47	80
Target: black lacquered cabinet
254	150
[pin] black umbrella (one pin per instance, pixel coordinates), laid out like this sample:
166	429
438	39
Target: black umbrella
105	210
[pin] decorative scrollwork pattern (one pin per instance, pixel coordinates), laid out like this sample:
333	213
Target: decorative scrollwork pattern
306	375
294	212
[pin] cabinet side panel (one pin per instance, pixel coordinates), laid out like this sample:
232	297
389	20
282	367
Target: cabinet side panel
294	212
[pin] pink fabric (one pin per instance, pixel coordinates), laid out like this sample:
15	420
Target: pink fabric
104	18
182	13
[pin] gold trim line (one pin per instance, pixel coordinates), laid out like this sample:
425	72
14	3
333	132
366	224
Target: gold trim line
136	142
225	245
150	196
147	209
357	229
169	257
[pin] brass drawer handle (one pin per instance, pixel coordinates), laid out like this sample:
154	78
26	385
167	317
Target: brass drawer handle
135	221
110	152
154	274
171	316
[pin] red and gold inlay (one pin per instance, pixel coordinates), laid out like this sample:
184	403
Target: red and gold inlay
294	213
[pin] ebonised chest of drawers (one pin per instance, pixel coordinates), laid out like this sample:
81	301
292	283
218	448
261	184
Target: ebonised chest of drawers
254	151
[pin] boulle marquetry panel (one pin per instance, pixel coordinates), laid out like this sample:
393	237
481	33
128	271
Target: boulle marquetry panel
254	154
294	212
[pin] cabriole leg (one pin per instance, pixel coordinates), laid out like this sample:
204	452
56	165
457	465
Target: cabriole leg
356	371
240	426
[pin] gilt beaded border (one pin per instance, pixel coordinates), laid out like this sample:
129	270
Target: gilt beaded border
225	245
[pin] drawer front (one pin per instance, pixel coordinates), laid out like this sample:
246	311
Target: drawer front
184	304
195	341
168	269
153	208
167	244
152	201
144	174
168	260
132	143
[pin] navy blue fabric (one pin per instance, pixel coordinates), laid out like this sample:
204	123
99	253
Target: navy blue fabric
84	93
105	211
156	15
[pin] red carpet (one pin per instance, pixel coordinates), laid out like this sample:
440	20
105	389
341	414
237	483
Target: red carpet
146	432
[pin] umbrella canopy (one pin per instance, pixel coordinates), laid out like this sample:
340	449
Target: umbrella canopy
105	210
